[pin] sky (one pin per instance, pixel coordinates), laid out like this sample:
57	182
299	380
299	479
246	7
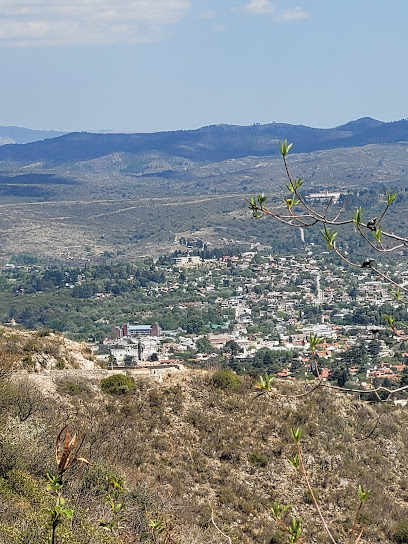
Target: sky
152	65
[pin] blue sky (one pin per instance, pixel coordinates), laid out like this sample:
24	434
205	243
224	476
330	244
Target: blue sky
149	65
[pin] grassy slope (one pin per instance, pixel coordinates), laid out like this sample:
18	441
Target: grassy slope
29	350
186	446
109	209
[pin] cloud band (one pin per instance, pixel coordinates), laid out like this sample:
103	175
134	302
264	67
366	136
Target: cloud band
77	22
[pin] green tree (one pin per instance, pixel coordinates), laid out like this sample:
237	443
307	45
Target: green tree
232	347
203	345
128	360
227	379
340	375
194	323
373	349
404	377
266	360
118	384
153	357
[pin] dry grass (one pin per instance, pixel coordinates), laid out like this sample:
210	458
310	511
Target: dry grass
37	350
186	447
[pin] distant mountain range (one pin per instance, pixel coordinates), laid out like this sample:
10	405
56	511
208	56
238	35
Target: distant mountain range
207	144
83	195
20	135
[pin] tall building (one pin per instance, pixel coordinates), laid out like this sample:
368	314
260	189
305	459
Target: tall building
130	331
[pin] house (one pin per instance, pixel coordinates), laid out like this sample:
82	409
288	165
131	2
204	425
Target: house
190	261
131	331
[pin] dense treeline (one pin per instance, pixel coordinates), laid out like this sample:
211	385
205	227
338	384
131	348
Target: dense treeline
106	278
84	302
373	315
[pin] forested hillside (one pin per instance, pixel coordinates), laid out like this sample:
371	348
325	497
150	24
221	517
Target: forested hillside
208	144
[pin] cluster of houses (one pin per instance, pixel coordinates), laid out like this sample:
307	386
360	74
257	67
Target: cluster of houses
264	301
279	290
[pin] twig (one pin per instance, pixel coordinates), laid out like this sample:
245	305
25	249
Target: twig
371	432
388	279
309	487
218	529
360	535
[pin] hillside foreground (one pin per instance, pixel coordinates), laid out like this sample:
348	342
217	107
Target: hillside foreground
192	445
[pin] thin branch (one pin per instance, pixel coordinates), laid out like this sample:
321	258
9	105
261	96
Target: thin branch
334	222
371	432
371	267
286	528
394	236
341	210
388	279
310	210
367	391
382	249
343	258
309	487
218	529
284	396
317	367
297	218
360	535
356	519
327	207
341	389
279	218
383	213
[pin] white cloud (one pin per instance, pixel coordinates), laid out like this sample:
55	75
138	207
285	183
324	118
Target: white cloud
296	14
266	7
259	6
75	22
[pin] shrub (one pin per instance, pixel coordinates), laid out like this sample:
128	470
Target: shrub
118	384
156	399
258	459
307	496
71	388
401	534
227	380
27	361
230	453
60	364
97	479
51	348
280	537
26	486
43	332
30	345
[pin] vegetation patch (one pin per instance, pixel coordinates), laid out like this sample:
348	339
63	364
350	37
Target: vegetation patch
118	384
401	534
227	379
258	459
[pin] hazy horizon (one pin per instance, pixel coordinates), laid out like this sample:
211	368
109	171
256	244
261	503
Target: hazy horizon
162	65
112	131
